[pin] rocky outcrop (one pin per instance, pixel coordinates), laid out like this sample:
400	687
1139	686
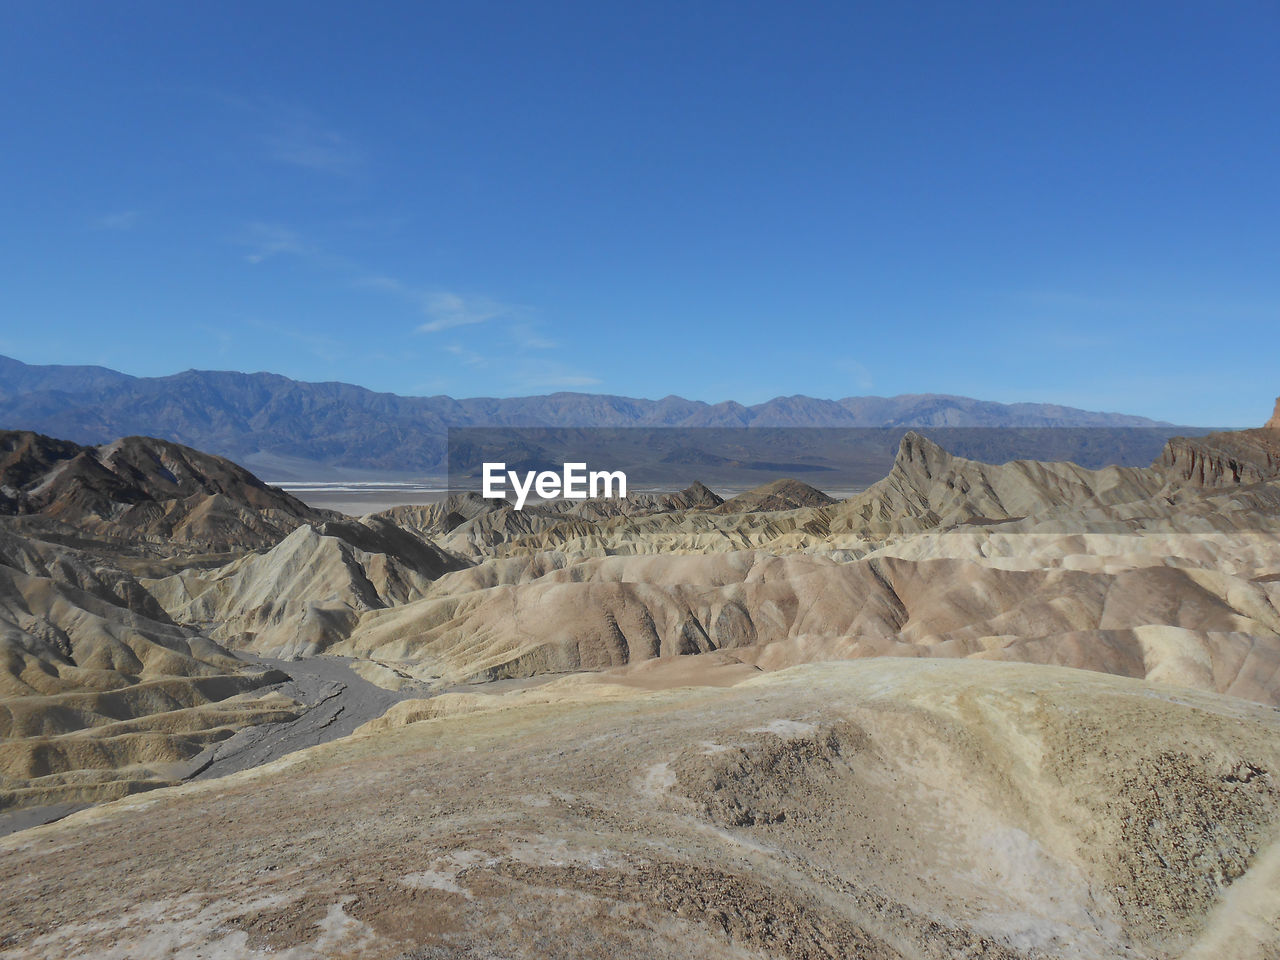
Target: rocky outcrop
1129	615
778	495
1227	459
882	809
145	489
443	516
1223	459
101	693
469	525
1135	572
928	487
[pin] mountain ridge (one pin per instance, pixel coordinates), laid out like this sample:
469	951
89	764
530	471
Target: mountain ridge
260	418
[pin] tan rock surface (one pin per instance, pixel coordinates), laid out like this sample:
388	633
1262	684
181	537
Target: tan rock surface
307	592
101	694
881	808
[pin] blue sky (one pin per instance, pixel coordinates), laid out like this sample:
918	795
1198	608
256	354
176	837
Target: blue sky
1074	203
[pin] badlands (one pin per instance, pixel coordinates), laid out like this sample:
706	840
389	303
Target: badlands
1019	710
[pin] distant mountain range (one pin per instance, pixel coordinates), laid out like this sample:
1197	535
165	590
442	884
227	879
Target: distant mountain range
290	429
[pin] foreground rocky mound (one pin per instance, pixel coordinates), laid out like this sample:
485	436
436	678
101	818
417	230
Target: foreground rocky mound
873	809
143	489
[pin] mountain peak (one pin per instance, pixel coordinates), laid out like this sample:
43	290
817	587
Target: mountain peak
699	494
917	448
1274	422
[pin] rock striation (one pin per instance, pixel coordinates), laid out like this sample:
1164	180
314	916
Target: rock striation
1141	573
102	694
671	725
307	592
1223	460
1227	459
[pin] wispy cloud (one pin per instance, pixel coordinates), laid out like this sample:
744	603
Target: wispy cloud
120	220
447	310
217	335
384	284
519	370
513	344
303	141
444	309
469	357
267	240
859	371
319	345
293	134
1166	304
527	337
547	373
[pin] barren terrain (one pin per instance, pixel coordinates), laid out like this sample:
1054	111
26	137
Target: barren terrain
996	710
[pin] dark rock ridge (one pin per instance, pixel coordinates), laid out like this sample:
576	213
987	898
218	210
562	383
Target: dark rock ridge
1225	459
268	421
144	488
